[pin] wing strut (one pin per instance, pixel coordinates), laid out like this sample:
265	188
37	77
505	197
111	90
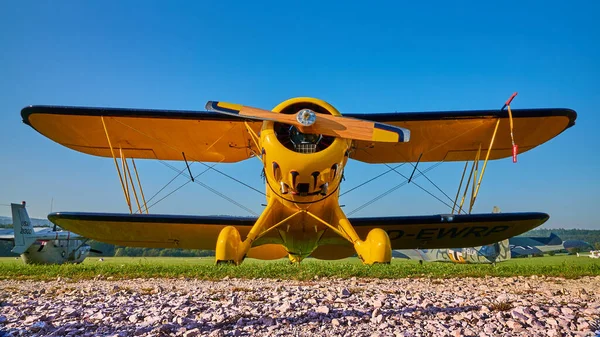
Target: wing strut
127	194
116	164
188	166
487	156
474	168
128	174
255	139
126	178
477	179
137	176
413	172
459	186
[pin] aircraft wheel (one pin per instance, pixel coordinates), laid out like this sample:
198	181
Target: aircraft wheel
228	244
377	248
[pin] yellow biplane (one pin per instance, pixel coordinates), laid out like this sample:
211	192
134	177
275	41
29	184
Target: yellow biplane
304	145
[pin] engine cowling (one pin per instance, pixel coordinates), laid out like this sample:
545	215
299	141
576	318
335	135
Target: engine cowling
302	167
290	137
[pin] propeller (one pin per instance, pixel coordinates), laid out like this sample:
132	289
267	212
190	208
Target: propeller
307	121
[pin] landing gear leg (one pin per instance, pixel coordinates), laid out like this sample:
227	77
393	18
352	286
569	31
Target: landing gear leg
377	248
230	247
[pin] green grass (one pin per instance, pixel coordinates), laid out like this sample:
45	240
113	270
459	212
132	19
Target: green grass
204	268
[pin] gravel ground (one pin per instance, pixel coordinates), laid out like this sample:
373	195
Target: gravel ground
519	306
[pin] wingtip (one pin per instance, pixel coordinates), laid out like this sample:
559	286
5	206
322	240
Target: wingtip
210	105
403	135
25	112
223	107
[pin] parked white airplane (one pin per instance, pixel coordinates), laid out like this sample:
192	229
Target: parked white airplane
495	252
42	245
594	254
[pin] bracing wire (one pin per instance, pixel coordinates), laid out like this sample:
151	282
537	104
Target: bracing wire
432	183
216	192
208	167
179	150
233	178
166	185
168	194
170	181
176	189
394	188
424	190
418	175
370	180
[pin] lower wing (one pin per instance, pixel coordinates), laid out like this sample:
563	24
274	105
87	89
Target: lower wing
151	230
450	231
201	232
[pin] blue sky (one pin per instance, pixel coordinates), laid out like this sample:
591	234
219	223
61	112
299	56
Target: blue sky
360	58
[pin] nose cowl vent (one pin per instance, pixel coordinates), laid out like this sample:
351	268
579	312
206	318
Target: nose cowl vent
276	171
315	176
302	188
333	171
294	175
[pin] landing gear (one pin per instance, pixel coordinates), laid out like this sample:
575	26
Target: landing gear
377	248
228	245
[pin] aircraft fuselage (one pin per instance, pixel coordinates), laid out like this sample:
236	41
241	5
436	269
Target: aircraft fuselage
56	252
303	174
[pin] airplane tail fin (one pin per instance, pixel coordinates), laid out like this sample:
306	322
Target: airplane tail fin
554	240
24	234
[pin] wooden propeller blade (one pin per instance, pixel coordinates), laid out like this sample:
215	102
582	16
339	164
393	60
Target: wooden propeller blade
329	125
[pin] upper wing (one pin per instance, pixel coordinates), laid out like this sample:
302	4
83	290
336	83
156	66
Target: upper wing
150	134
457	135
450	231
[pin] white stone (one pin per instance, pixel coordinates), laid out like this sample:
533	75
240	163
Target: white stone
322	310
